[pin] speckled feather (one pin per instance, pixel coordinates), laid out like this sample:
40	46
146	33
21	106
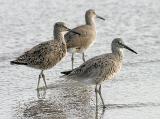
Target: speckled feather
97	69
100	68
44	55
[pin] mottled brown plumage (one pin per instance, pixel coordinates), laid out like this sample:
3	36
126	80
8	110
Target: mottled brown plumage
46	54
100	68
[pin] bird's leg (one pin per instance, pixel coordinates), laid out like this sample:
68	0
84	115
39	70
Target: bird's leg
100	94
96	91
96	113
72	59
83	57
43	76
39	79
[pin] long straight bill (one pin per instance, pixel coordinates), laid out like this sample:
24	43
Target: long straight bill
100	17
125	46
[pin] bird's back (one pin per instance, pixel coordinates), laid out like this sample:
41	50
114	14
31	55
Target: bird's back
44	55
97	69
84	40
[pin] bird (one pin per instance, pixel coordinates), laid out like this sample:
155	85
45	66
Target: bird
46	54
100	68
79	43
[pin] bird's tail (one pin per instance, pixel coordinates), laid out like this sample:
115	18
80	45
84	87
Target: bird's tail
66	72
17	62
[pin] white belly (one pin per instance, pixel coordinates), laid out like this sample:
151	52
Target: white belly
76	50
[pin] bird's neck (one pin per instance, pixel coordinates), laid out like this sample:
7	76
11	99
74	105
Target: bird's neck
58	35
90	21
118	52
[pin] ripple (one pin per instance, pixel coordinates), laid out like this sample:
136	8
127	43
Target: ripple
142	62
135	105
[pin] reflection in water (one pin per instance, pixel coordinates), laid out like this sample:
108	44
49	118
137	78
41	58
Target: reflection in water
69	100
99	110
44	109
41	93
137	21
118	106
99	113
76	99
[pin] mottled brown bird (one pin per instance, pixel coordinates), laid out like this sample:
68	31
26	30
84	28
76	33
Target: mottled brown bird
100	68
46	54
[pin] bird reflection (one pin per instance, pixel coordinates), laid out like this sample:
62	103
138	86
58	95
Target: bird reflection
99	115
41	93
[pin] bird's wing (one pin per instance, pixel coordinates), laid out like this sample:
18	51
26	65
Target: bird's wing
74	40
36	54
94	67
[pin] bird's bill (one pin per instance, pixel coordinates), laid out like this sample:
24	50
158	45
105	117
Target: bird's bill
100	17
128	48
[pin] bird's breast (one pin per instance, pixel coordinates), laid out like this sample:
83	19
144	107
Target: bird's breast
111	72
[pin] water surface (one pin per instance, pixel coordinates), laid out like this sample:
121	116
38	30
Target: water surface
134	93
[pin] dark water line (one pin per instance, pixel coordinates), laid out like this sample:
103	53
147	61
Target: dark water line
142	62
135	105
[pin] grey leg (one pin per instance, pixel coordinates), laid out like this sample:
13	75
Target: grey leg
72	59
96	91
39	80
43	76
83	57
100	94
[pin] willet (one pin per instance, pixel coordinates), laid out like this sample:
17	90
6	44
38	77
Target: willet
100	68
79	43
46	54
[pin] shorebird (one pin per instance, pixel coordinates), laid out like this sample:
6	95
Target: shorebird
100	68
79	43
46	54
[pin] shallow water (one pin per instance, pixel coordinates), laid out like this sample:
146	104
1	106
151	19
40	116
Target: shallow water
134	93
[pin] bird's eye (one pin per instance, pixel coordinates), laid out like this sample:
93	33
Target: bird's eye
119	42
